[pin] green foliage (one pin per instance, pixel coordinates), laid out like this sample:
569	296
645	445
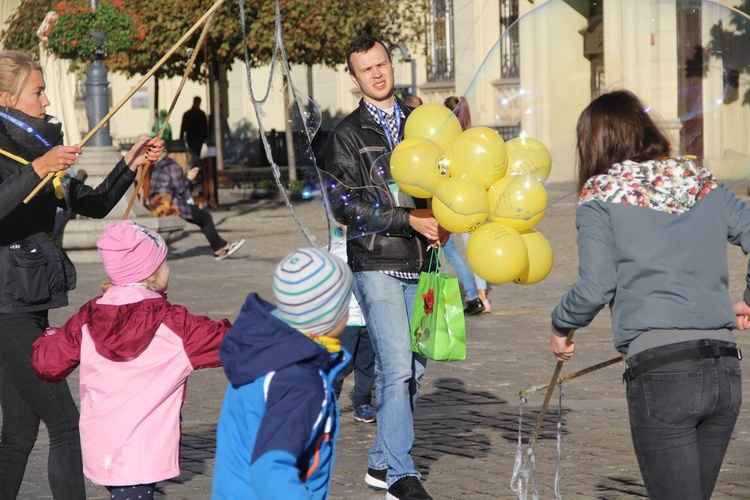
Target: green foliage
71	37
314	31
20	31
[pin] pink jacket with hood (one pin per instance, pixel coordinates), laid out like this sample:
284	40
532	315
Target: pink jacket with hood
136	351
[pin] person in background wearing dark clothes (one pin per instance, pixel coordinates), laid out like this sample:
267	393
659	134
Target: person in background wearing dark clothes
194	129
167	178
35	273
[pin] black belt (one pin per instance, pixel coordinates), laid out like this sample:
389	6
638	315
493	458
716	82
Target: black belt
706	351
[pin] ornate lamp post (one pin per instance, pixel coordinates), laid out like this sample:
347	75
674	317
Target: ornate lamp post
97	90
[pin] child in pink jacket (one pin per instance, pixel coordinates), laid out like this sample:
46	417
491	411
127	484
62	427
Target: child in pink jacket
136	351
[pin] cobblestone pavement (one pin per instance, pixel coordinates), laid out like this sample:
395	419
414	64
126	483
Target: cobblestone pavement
467	421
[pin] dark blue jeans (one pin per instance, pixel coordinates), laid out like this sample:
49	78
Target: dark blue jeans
25	400
356	340
681	420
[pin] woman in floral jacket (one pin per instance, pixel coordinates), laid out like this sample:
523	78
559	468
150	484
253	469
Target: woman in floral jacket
652	233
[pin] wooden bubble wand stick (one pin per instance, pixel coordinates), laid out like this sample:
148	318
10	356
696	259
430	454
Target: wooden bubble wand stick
543	410
125	99
147	165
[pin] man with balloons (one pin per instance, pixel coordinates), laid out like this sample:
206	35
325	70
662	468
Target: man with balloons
401	182
390	235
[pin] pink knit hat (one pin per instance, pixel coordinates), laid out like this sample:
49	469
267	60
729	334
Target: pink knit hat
130	252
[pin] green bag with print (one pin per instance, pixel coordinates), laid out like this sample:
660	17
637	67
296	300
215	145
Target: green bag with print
438	330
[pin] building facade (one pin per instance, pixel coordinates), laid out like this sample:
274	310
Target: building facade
526	68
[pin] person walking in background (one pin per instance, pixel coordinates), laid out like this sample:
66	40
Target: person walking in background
135	352
279	422
37	274
356	340
386	264
475	288
167	178
194	128
652	243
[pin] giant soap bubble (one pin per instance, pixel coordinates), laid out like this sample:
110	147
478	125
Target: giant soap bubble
687	61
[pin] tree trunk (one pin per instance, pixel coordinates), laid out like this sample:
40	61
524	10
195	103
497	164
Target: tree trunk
155	114
214	84
288	104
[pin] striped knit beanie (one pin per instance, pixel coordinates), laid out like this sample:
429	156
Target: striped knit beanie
312	290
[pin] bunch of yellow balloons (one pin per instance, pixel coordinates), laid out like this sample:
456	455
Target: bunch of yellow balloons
482	185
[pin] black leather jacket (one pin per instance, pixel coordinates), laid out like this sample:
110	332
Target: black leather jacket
379	235
35	273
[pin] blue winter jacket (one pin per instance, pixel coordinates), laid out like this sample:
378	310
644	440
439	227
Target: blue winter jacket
279	420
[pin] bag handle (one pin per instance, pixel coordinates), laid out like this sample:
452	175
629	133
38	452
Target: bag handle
436	257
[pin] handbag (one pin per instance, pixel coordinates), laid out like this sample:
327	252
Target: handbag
161	205
438	329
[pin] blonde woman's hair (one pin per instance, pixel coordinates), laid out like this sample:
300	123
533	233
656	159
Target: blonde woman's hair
15	68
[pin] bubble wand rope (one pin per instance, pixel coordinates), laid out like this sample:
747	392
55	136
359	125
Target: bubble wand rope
191	61
573	375
543	410
138	85
278	50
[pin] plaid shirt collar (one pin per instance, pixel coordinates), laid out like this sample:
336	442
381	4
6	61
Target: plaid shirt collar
390	122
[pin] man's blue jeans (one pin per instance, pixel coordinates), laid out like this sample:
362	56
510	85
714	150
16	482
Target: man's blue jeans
681	420
387	304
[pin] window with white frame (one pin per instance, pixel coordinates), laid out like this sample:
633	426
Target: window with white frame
440	42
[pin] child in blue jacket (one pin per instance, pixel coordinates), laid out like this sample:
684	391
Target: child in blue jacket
279	420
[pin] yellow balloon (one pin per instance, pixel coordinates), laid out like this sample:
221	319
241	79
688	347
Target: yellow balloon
460	204
540	258
418	167
434	122
519	201
528	156
479	153
497	253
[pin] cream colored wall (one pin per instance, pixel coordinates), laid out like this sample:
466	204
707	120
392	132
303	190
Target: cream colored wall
555	80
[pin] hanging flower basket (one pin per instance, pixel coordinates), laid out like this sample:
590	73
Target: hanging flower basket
73	35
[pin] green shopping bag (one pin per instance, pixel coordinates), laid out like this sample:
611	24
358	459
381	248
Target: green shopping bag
438	330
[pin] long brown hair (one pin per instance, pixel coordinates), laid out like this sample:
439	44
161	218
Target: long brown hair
460	108
616	127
